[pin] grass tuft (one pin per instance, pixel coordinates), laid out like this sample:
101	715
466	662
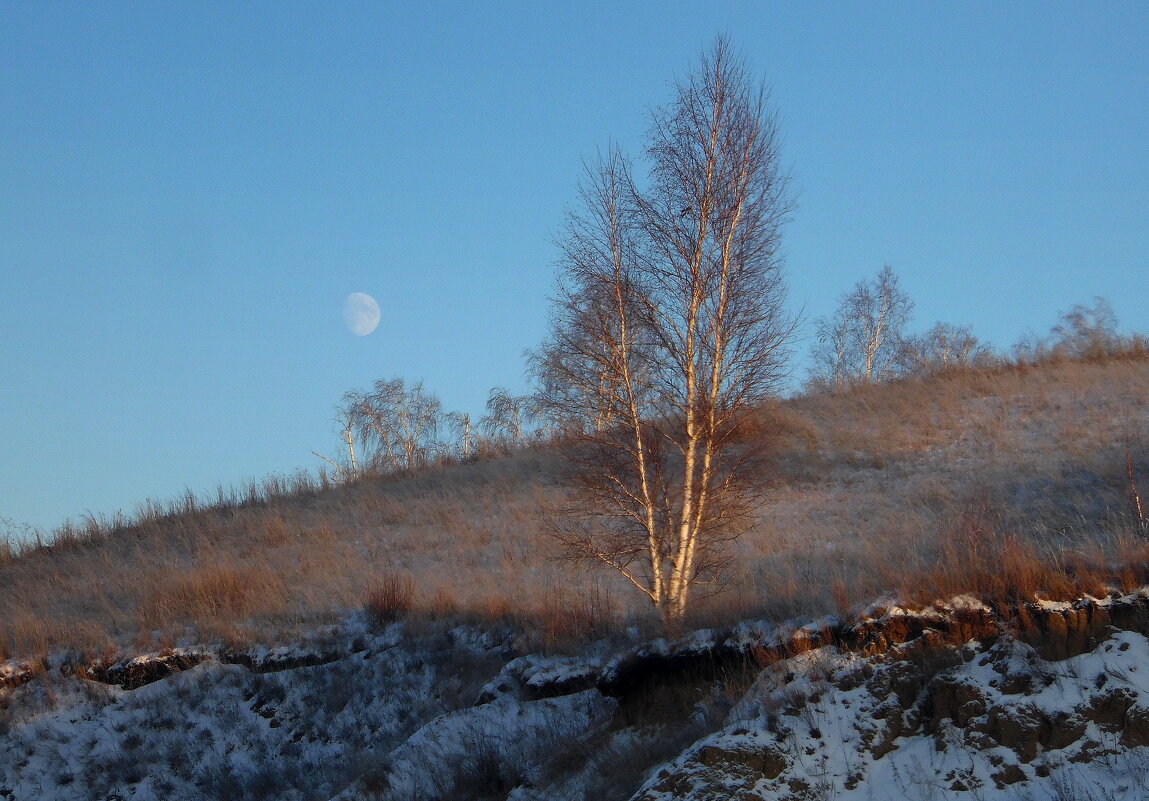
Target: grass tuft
390	598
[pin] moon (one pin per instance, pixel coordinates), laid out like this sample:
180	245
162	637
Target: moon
361	313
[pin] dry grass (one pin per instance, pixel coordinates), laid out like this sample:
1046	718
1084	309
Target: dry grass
1011	480
390	598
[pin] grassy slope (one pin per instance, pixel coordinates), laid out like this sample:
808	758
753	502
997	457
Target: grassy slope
1010	480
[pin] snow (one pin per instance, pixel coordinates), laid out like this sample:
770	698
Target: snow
503	732
218	725
537	675
436	712
966	603
821	730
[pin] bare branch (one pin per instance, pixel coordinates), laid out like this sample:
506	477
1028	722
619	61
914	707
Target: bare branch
668	328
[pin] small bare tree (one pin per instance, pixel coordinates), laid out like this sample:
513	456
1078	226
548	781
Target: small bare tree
943	347
668	329
460	424
1087	331
862	341
347	467
507	417
1083	332
396	426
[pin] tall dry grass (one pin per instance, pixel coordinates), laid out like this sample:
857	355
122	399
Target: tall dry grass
871	486
982	480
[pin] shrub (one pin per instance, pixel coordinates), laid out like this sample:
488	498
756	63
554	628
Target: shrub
391	597
576	615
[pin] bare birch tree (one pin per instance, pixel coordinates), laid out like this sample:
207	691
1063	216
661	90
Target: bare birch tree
345	467
861	343
397	426
668	328
943	347
460	424
507	417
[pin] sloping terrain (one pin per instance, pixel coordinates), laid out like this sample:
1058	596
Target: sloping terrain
957	700
410	636
954	474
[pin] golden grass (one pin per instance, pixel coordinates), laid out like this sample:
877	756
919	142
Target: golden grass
391	597
1010	480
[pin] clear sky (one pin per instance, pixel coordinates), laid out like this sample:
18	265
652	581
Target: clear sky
188	191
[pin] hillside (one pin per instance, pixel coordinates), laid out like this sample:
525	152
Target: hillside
411	636
950	473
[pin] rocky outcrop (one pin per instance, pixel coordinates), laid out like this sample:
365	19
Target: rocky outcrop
1057	630
131	674
923	637
952	698
1051	695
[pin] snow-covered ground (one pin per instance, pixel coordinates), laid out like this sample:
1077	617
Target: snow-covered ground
840	727
891	706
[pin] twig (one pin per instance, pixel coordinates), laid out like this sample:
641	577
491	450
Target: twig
1141	523
342	471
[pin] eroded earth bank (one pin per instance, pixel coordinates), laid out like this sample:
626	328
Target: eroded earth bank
1044	700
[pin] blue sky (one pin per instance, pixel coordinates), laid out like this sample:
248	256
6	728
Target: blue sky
189	190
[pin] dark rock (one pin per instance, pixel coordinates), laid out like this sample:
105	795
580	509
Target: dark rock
131	674
895	728
1062	731
278	662
765	762
1019	729
906	682
956	701
1063	633
1014	683
1108	710
1136	731
1010	774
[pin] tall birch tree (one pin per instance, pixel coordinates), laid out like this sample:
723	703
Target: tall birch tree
669	327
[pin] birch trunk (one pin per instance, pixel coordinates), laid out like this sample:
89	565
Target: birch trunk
668	330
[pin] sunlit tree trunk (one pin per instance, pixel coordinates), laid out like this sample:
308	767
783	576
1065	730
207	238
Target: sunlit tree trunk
668	330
